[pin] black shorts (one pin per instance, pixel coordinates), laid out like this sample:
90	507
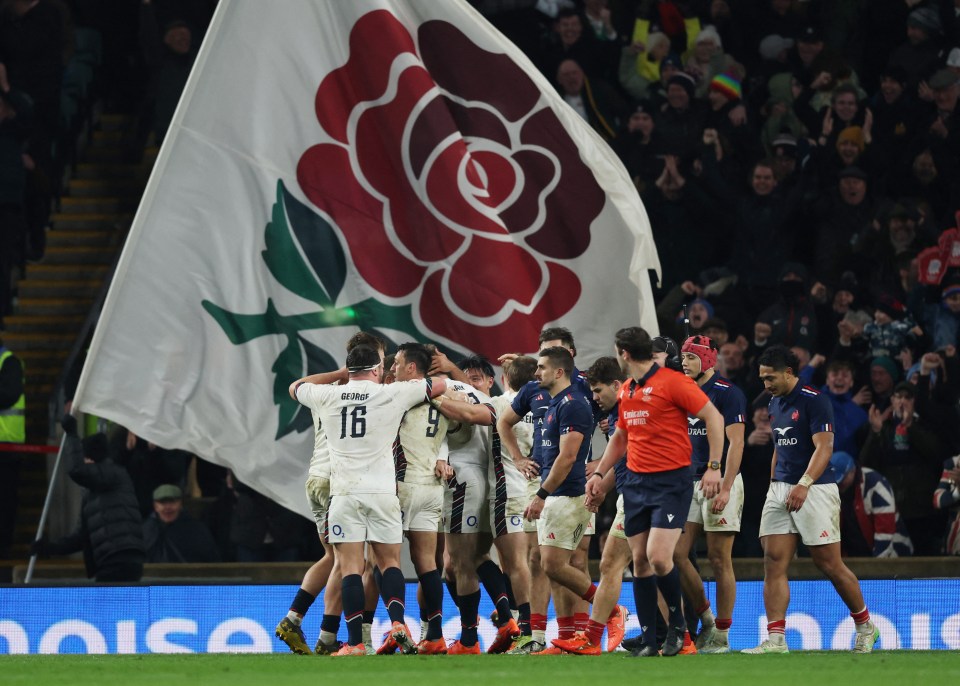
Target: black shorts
656	500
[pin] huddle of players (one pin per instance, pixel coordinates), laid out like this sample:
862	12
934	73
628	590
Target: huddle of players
518	477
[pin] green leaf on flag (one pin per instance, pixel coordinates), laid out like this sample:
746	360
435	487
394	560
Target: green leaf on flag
284	259
319	243
287	368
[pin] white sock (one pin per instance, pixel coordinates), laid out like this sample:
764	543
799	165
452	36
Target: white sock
367	630
539	636
721	635
327	637
779	639
295	618
423	629
707	618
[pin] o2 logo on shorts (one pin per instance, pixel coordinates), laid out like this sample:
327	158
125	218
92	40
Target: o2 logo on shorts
515	520
337	530
471	520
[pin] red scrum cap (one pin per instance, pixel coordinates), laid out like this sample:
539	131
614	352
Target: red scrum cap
702	347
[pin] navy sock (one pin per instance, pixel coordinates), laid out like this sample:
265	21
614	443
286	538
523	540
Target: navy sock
432	608
469	605
524	610
330	623
392	591
452	590
368	616
492	579
645	598
353	607
669	585
509	585
302	602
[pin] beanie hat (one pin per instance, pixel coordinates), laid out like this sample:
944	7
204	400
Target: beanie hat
683	80
841	463
706	304
702	347
854	134
889	365
890	306
726	85
950	286
95	447
711	34
925	18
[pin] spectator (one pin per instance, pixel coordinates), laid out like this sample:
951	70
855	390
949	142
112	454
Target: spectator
848	415
595	101
707	60
169	53
892	328
870	525
896	115
904	448
639	145
109	532
646	67
681	117
170	534
792	319
884	375
264	531
12	430
844	217
15	114
947	497
919	56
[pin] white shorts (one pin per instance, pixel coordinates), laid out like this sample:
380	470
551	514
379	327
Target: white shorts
373	517
318	495
507	519
563	522
728	521
817	522
591	525
465	501
421	506
533	485
616	529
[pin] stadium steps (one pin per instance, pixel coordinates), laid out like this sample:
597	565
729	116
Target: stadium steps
55	295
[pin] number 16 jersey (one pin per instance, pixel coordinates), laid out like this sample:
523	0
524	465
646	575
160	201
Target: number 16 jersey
361	420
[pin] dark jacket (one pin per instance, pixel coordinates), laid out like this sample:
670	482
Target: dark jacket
110	527
184	540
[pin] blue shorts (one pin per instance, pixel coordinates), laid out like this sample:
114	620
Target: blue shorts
658	500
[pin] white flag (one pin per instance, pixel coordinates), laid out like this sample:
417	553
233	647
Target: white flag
388	165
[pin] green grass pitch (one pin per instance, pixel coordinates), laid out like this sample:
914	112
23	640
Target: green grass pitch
903	668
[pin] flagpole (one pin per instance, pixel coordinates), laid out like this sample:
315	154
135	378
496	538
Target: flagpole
46	508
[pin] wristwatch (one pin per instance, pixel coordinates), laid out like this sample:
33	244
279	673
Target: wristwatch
714	465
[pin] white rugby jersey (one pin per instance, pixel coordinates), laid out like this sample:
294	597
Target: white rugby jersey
320	460
502	472
361	420
421	443
469	443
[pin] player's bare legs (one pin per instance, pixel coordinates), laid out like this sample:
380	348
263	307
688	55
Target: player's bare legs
828	560
690	580
778	551
314	581
579	560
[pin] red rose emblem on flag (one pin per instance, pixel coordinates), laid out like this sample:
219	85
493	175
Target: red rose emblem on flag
455	186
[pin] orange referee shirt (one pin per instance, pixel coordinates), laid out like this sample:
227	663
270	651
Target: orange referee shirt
653	412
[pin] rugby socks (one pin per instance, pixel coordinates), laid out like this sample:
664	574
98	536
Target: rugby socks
595	632
432	603
353	607
469	606
301	603
861	619
580	621
392	587
776	631
512	598
452	590
566	627
525	619
724	624
329	626
590	592
645	599
492	579
538	628
669	585
368	616
706	616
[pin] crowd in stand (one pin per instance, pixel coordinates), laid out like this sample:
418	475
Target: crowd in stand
798	160
58	58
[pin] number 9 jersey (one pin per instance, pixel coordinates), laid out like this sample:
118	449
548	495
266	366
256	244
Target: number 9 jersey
361	420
